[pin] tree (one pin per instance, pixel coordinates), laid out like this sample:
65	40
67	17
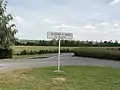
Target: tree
7	30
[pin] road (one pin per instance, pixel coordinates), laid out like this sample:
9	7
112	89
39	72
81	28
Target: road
51	60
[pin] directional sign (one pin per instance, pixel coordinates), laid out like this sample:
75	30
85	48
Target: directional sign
59	35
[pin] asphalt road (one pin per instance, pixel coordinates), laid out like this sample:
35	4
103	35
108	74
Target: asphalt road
51	60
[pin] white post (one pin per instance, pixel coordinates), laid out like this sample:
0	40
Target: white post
59	56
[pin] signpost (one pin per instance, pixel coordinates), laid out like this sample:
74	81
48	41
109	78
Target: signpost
59	36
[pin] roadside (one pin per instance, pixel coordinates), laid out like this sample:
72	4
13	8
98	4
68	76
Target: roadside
67	59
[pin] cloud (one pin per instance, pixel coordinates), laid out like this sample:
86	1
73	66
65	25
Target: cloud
49	21
114	2
83	18
89	27
104	23
116	24
66	28
19	20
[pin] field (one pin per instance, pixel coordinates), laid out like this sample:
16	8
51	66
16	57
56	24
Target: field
18	49
73	78
99	52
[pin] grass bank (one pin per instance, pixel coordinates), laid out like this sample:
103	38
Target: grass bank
103	53
73	78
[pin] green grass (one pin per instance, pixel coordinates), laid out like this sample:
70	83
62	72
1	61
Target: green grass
76	78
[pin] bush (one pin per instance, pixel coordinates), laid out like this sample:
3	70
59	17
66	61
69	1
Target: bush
98	53
119	49
6	53
24	52
32	52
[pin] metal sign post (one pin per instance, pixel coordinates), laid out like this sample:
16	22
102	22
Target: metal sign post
59	36
59	56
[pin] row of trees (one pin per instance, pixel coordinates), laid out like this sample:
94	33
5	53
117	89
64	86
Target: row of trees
71	43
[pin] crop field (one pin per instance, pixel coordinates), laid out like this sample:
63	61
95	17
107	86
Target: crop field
18	49
112	53
94	52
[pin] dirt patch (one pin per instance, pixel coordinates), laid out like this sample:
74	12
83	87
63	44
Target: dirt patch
14	77
59	79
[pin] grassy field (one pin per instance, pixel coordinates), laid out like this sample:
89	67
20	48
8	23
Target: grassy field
18	49
99	52
73	78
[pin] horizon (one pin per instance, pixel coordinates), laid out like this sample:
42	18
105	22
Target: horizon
96	20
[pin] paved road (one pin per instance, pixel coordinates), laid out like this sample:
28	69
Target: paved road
51	60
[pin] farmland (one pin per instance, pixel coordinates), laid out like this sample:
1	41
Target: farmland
97	52
18	49
112	53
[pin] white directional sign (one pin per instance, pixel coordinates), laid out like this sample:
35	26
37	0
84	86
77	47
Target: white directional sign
59	35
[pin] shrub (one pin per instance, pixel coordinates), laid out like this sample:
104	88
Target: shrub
32	52
24	52
6	53
119	49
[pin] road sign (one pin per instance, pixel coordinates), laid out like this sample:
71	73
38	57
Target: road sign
59	36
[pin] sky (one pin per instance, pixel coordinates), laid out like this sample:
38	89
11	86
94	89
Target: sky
86	19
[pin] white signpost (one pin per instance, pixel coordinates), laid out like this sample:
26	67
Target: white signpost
59	36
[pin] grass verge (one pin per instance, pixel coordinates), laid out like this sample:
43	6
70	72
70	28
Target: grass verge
26	56
73	78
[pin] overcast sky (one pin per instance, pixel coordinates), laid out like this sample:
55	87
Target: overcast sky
86	19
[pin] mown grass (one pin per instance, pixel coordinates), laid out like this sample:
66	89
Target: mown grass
73	78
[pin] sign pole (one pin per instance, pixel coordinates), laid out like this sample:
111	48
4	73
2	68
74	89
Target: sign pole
59	36
59	56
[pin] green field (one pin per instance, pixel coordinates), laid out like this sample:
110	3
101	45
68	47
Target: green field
73	78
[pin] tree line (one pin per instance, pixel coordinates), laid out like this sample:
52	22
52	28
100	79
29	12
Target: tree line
70	43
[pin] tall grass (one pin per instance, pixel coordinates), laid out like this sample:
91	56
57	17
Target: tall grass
103	53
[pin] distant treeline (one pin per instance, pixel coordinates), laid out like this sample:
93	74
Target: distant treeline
71	43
